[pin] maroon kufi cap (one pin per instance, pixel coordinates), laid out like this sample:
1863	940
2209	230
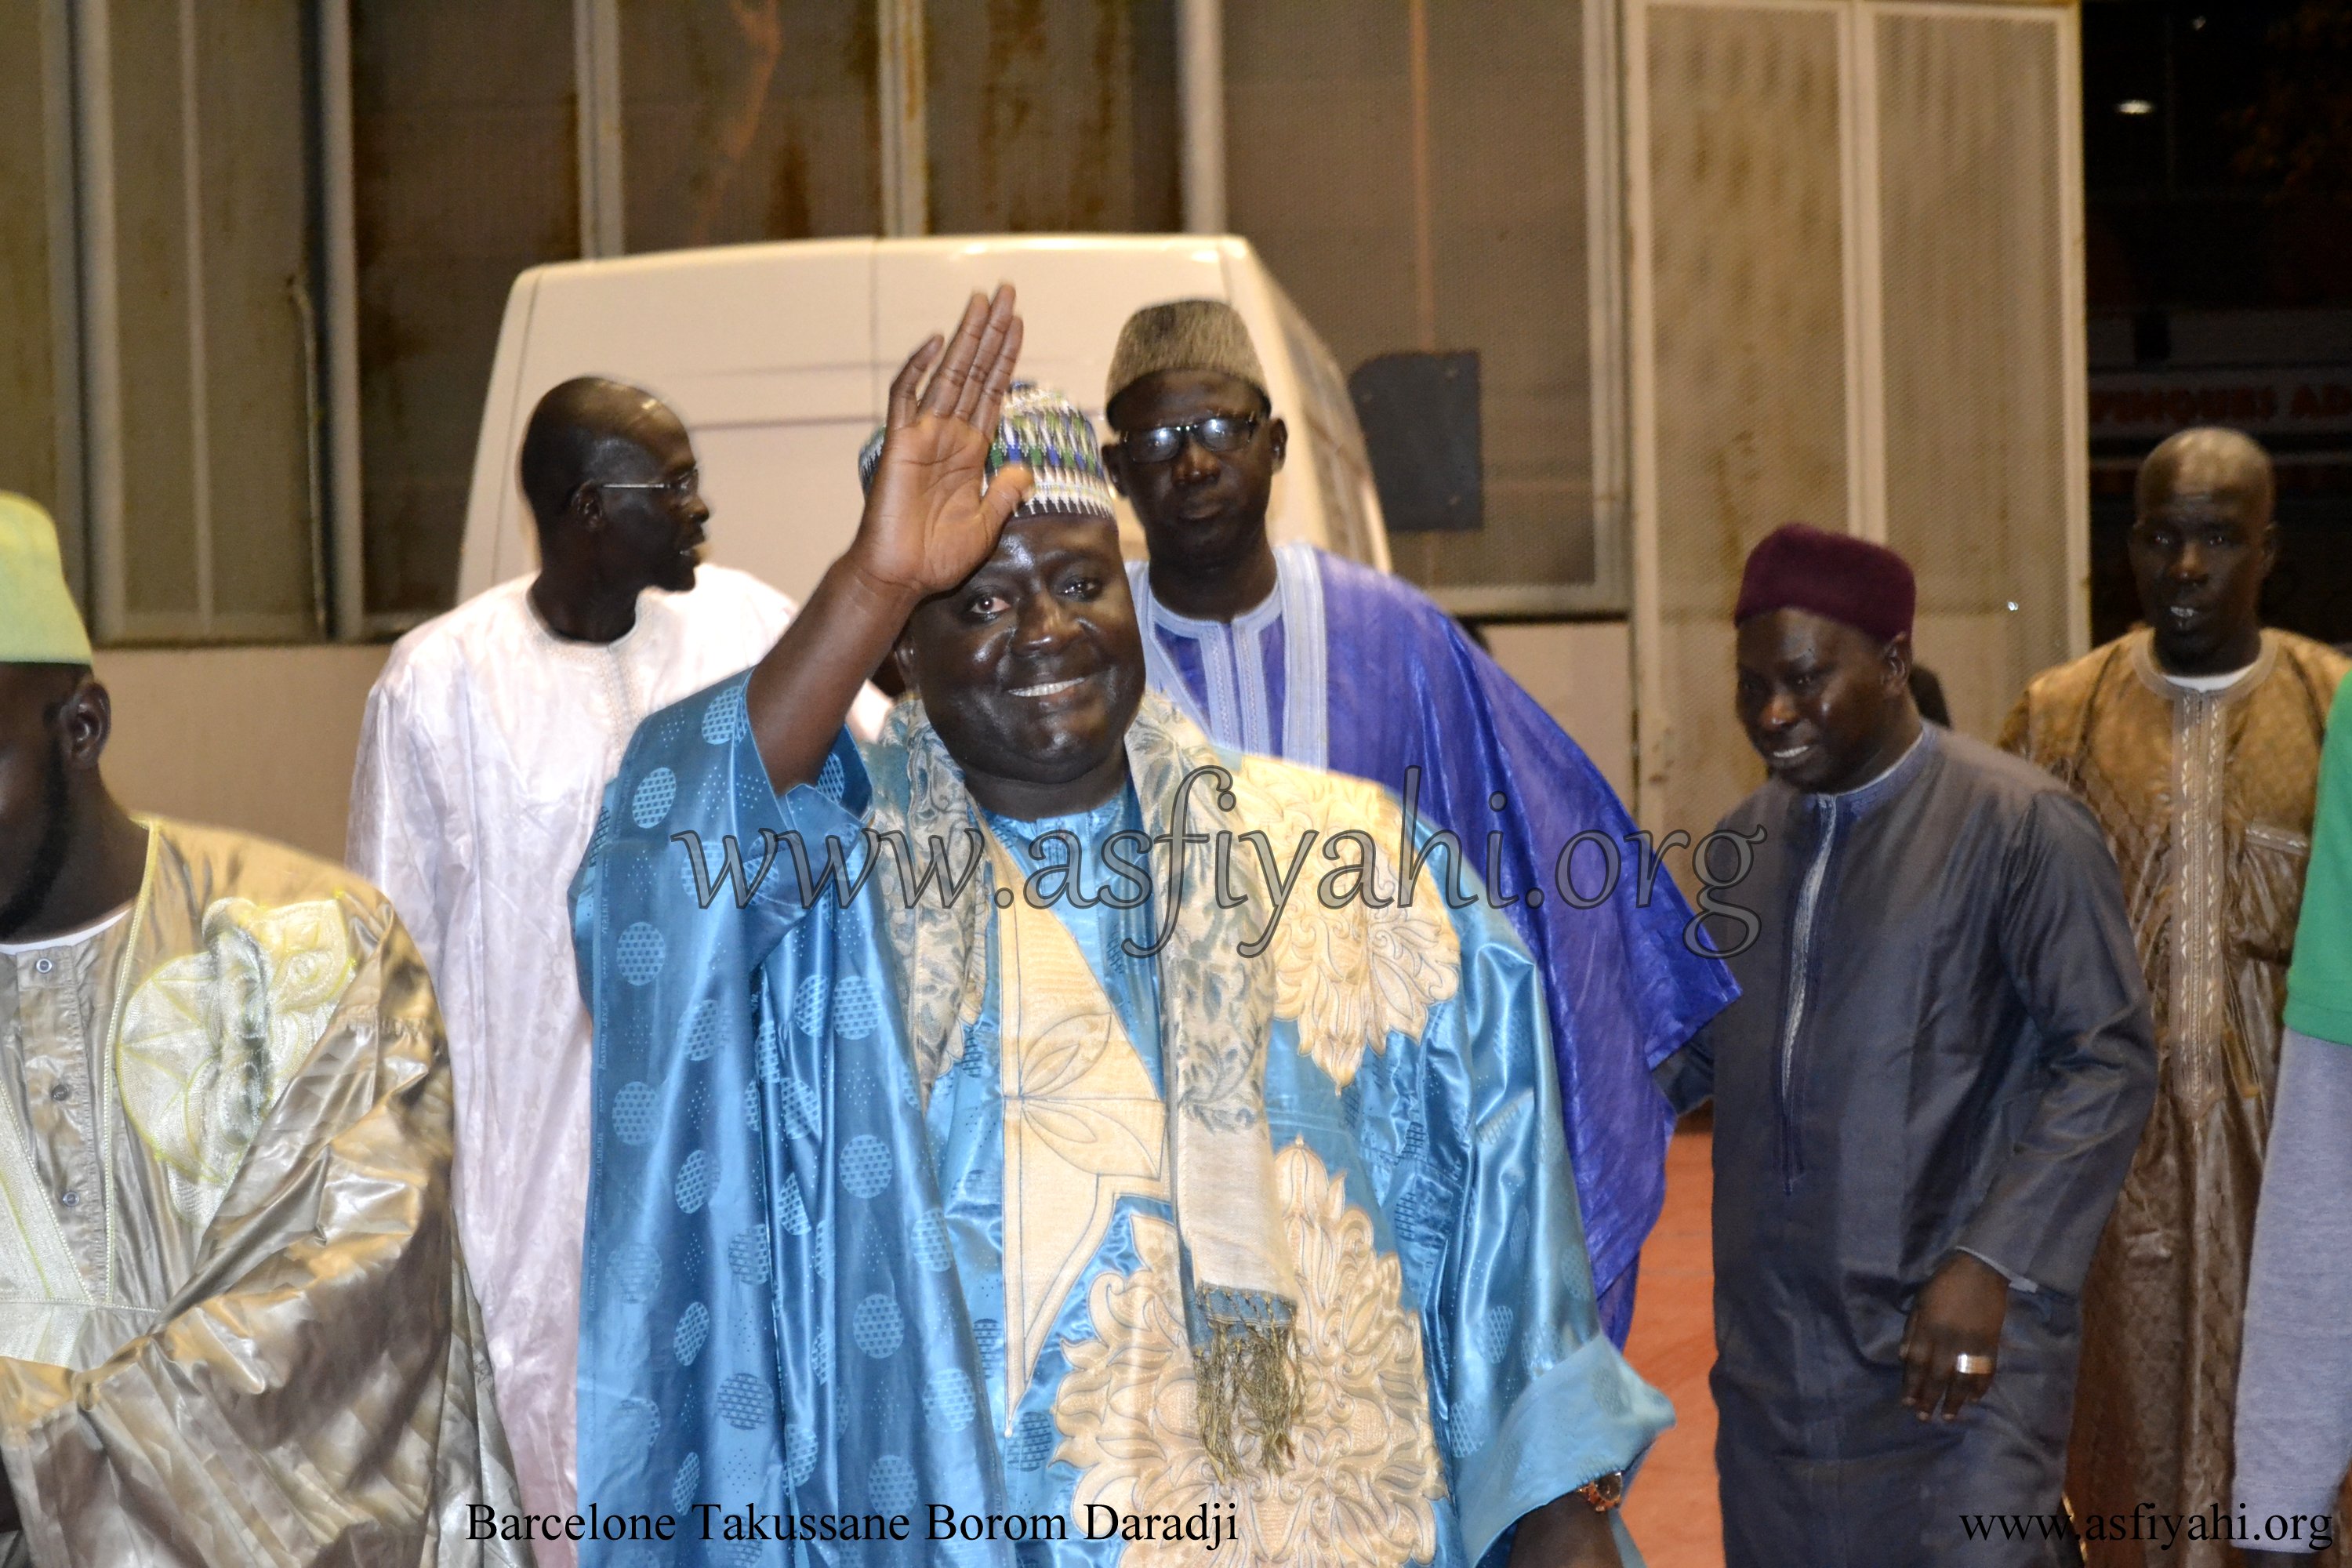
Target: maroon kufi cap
1867	586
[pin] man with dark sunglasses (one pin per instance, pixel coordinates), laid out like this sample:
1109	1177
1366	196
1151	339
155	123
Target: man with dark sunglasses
487	741
1298	654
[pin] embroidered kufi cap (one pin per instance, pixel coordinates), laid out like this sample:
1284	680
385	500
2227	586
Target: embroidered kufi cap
38	623
1052	435
1184	335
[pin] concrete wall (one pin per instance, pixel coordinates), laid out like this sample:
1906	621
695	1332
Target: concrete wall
255	738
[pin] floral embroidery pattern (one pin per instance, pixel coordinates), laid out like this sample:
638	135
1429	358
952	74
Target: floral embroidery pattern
210	1039
1364	1476
1350	975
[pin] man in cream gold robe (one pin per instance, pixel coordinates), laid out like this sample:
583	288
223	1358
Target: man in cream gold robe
2195	742
234	1324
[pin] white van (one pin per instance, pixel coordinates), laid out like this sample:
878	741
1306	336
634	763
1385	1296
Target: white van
779	358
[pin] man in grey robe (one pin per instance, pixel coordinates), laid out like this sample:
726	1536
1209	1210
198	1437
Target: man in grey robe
1926	1098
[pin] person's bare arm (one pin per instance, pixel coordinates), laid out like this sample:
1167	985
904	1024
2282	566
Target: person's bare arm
926	524
1568	1532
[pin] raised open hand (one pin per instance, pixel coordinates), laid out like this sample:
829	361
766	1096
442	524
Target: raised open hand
927	521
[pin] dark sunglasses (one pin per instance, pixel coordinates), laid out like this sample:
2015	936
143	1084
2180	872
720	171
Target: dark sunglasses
1218	433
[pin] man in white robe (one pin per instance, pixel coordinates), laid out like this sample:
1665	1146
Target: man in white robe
488	743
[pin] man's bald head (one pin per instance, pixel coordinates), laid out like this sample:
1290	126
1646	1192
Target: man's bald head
573	431
613	482
2208	460
2201	547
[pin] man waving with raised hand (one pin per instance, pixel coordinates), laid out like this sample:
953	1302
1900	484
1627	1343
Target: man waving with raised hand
1084	1197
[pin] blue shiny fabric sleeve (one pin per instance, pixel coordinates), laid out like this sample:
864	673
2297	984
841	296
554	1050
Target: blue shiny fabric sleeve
1622	990
762	1211
1530	1399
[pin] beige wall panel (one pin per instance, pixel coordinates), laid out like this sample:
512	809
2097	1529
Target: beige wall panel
1321	127
255	185
1581	673
211	189
255	738
1507	204
159	563
1970	654
1318	119
1976	329
1031	107
1748	241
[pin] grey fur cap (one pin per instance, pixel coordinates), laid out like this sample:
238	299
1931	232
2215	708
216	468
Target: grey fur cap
1184	334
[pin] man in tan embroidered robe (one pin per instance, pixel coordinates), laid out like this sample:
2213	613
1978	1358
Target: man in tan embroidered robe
234	1328
2195	741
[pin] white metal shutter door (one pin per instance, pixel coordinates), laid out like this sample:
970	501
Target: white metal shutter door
1747	414
1855	299
1986	490
211	280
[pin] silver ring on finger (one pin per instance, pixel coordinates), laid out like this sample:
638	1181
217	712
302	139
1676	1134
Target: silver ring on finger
1972	1365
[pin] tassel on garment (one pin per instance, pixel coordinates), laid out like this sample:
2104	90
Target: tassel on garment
1246	1384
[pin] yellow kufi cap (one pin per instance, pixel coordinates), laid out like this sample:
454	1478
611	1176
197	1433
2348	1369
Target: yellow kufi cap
38	623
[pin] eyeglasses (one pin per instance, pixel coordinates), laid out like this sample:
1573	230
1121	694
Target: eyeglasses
684	487
1218	433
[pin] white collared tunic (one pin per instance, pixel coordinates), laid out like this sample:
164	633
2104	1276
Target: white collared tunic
488	743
